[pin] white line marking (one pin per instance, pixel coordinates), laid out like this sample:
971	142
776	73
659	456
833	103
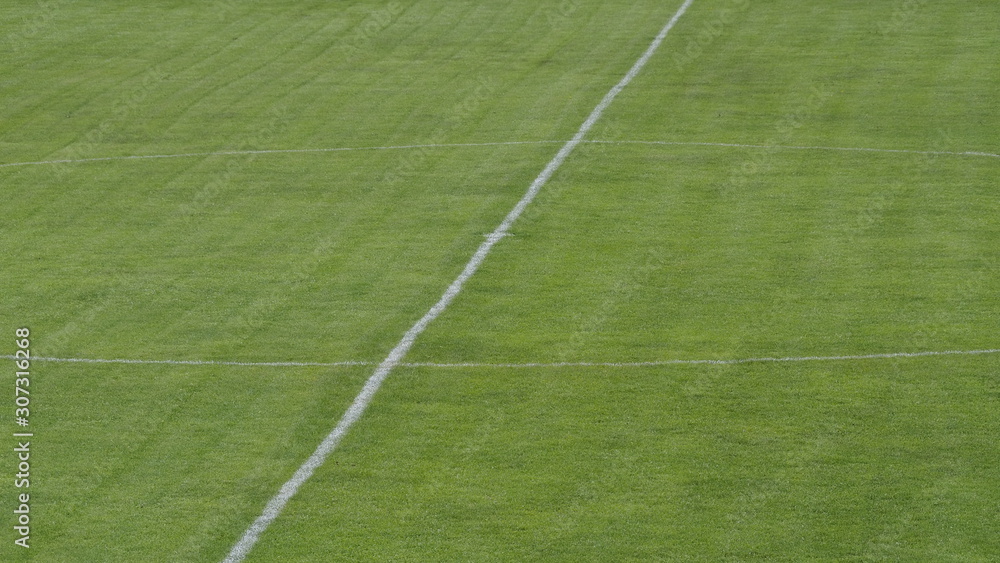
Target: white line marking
277	151
800	148
506	143
528	365
197	362
712	362
357	408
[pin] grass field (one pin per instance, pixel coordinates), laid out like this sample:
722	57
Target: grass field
783	180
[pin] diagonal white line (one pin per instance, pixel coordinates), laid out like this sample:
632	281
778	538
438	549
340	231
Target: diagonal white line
527	365
357	408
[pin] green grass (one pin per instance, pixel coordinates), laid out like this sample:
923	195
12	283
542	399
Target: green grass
839	462
631	253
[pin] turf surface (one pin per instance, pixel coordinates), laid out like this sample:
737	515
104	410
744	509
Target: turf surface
633	252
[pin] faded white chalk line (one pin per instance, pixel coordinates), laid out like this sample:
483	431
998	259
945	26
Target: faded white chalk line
195	362
543	365
982	154
276	151
801	148
723	362
361	402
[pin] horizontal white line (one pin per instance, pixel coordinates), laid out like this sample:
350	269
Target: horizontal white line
802	148
277	151
198	362
532	364
713	362
505	143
